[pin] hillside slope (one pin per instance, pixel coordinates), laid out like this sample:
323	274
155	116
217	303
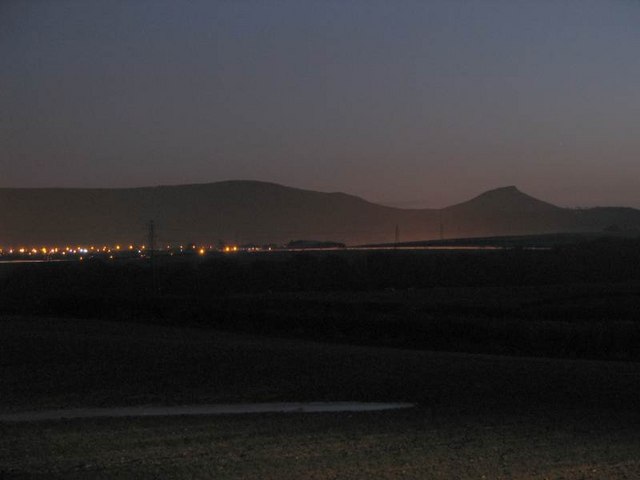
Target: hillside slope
259	212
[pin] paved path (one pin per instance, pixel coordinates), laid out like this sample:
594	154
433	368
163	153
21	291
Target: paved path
220	409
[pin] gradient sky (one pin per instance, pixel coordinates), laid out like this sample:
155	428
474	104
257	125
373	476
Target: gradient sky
411	103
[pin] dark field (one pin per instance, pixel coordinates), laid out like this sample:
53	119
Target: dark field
531	378
572	301
497	416
330	446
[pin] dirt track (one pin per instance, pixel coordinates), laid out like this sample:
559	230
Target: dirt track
228	409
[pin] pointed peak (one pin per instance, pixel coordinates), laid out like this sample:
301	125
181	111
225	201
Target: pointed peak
506	198
503	194
510	189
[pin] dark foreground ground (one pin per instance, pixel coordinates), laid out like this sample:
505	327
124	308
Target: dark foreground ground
328	446
572	301
478	415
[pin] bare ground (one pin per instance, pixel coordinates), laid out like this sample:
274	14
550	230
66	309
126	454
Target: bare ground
479	415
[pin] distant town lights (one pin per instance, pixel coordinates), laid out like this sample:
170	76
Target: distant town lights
120	250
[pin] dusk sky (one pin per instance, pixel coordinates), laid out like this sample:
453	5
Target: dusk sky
408	103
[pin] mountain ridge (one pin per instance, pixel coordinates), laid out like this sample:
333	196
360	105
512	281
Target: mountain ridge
251	211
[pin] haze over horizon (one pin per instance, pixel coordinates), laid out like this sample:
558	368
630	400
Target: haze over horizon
411	104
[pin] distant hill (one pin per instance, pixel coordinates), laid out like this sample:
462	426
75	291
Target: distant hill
506	211
260	212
